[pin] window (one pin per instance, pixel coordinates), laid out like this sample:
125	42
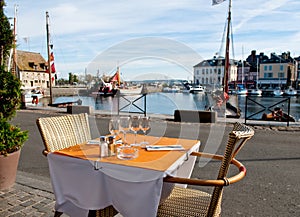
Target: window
281	67
268	75
31	64
265	68
270	68
280	74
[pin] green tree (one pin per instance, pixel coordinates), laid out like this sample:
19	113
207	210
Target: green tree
71	78
6	35
11	137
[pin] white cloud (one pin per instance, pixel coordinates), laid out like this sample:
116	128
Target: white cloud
80	30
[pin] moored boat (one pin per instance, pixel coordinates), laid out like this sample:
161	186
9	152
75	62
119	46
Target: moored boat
277	115
243	91
255	92
290	92
197	89
32	94
277	91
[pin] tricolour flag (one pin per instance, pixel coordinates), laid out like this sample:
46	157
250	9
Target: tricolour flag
215	2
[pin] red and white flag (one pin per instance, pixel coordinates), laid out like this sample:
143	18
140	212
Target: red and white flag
52	63
215	2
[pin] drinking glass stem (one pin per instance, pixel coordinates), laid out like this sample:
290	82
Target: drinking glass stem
124	133
144	136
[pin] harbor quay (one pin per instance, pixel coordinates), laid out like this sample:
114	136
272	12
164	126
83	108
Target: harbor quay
272	158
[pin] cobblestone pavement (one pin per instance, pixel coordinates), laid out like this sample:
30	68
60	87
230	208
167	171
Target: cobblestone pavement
28	197
25	201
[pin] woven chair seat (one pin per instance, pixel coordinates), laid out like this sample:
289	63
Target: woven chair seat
186	202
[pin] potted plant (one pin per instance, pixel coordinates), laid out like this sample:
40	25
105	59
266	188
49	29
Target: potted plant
11	137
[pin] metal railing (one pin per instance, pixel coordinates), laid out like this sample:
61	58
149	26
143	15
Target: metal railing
274	112
128	103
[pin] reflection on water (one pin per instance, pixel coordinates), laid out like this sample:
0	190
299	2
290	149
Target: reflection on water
166	103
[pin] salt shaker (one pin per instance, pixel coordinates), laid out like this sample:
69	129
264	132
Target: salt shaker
103	147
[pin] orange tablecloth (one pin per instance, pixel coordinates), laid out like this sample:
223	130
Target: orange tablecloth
155	160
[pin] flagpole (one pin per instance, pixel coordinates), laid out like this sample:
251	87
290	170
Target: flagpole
226	72
49	60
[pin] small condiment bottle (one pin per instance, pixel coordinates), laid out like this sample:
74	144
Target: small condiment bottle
111	145
103	147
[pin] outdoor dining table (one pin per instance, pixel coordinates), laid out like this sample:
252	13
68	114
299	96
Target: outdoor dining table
82	181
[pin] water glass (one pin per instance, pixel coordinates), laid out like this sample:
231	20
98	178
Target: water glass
135	127
124	126
144	126
113	126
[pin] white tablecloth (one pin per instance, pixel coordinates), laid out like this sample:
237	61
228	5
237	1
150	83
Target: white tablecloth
134	192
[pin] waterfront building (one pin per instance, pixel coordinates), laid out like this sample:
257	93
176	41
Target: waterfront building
210	72
278	70
31	69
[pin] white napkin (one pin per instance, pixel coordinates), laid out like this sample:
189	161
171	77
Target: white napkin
93	142
164	147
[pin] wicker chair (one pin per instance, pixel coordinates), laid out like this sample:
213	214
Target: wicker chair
65	131
186	202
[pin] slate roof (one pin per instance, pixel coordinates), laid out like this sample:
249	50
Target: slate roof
215	62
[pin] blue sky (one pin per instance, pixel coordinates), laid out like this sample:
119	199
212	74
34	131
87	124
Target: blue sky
152	39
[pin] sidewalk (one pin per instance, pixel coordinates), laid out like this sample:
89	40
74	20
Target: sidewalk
30	196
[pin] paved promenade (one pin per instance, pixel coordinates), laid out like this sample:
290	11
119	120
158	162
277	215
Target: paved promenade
272	158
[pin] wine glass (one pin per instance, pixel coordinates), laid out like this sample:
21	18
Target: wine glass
124	126
113	126
135	126
144	126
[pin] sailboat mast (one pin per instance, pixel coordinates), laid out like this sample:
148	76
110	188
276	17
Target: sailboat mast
49	61
226	71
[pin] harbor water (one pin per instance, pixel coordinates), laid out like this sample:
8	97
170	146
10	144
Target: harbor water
166	103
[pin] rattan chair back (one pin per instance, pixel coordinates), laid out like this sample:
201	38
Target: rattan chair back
239	135
63	131
193	202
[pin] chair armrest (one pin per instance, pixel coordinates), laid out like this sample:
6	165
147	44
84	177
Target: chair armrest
45	152
210	182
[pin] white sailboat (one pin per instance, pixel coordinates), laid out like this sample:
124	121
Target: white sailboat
256	91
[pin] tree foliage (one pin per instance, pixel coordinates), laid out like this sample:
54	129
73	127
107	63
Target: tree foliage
6	35
11	137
